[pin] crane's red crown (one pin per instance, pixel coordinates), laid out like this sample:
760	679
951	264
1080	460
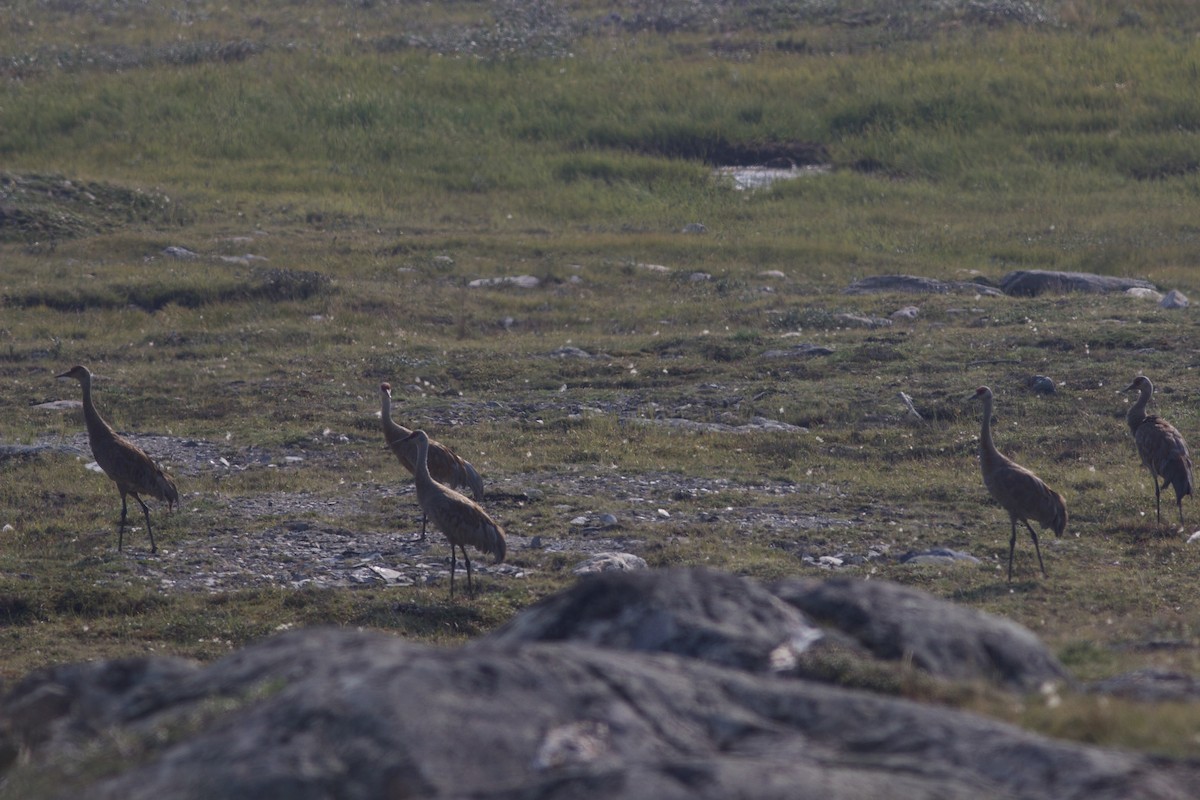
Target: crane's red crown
387	387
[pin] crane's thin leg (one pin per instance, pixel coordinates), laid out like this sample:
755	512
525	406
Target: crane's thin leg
1038	549
121	527
470	586
424	521
1012	545
149	530
453	562
1157	506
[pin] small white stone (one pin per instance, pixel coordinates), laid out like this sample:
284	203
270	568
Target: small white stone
1143	293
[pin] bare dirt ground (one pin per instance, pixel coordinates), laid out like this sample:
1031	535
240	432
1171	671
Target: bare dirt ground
364	531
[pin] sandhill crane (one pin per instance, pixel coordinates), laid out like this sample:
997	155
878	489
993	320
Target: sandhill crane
1022	494
462	519
130	468
1161	447
444	465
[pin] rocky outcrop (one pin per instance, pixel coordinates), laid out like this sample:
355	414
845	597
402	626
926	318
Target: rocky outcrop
1032	282
631	684
1021	283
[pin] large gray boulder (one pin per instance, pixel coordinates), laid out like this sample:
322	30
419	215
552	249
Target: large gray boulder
358	715
701	614
949	641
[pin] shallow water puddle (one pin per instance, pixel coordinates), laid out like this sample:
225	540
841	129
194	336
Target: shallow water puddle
761	177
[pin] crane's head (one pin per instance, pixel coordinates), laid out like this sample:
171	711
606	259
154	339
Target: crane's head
1140	383
385	387
980	393
78	372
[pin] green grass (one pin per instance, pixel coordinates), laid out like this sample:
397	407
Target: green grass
379	163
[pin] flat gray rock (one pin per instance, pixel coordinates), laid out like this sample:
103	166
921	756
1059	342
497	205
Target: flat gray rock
914	284
805	350
1033	282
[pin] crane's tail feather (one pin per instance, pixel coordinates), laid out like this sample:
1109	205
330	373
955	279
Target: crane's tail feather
1177	474
472	478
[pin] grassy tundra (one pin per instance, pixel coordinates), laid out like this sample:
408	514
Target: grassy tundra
342	173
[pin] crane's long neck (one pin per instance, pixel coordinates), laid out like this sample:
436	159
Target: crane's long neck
421	467
96	425
1137	413
391	431
987	448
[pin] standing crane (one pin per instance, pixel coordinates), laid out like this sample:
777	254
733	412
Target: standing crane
134	472
444	465
459	517
1161	447
1022	494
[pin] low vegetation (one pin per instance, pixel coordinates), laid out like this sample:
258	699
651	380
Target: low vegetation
244	217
